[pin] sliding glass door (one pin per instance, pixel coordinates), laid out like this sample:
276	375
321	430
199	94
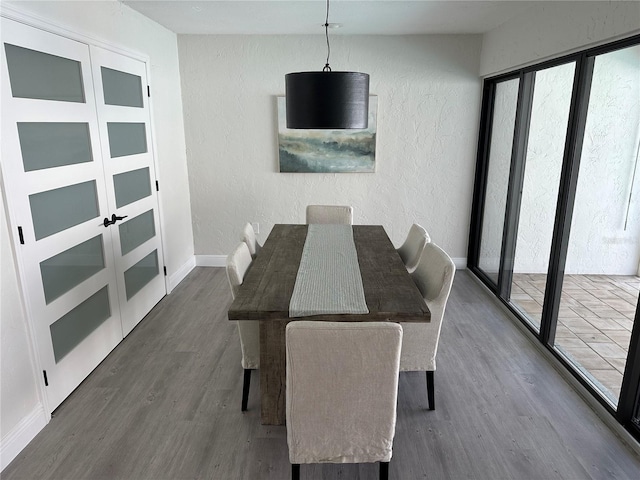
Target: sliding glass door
556	218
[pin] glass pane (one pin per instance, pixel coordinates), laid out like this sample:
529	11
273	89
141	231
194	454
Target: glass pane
56	210
504	118
64	271
136	231
131	186
543	164
121	88
48	145
601	283
126	139
140	274
70	330
42	76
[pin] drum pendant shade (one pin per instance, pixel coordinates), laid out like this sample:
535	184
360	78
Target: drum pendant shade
327	100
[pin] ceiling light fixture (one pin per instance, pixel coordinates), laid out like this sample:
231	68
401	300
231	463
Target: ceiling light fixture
327	99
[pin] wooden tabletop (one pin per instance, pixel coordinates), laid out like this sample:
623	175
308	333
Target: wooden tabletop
268	285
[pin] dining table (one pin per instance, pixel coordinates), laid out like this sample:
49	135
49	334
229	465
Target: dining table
268	287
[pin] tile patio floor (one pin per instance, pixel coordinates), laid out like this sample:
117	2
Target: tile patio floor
594	323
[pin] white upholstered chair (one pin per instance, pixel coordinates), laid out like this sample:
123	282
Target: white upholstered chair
412	247
341	214
237	264
433	277
249	237
342	388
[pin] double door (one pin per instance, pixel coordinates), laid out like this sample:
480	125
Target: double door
79	179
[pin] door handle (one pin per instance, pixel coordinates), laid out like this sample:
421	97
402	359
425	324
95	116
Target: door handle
106	222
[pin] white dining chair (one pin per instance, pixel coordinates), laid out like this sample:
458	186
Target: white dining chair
249	331
413	245
340	214
433	277
249	237
341	392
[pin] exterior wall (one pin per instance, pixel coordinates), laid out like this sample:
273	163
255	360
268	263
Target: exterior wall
599	244
428	111
554	28
116	24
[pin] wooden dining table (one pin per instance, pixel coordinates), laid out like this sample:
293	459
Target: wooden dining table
265	294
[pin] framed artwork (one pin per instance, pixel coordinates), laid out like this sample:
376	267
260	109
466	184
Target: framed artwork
327	151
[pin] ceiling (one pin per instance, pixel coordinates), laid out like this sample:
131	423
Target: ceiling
306	17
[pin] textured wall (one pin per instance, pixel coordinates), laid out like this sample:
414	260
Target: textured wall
504	117
552	28
545	151
428	108
600	243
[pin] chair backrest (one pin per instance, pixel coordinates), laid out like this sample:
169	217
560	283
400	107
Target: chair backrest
434	276
342	387
412	247
340	214
237	264
249	237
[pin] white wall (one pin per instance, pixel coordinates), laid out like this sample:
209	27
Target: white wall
598	243
553	28
428	109
120	26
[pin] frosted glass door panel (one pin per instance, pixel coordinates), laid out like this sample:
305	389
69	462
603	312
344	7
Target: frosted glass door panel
504	119
64	271
43	76
136	231
127	139
131	186
48	145
121	88
56	210
70	330
136	277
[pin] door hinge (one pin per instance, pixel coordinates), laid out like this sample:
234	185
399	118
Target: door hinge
157	186
165	271
46	380
20	235
148	91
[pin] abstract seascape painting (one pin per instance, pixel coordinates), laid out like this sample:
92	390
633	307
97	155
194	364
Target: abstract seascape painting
327	151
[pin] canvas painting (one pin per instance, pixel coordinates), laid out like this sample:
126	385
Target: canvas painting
327	151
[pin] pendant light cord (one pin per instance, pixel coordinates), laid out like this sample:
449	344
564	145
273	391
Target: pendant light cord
327	68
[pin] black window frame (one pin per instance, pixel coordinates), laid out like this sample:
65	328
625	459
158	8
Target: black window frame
628	408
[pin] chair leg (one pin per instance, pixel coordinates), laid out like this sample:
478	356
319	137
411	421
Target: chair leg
430	391
384	470
295	471
245	388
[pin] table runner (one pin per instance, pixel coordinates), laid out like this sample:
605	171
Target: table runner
328	280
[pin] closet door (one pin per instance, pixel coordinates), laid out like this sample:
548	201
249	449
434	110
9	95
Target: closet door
124	122
58	199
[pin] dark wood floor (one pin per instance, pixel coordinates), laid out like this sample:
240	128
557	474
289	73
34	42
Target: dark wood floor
166	405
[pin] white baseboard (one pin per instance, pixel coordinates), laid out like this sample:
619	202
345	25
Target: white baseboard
181	273
211	260
460	263
20	436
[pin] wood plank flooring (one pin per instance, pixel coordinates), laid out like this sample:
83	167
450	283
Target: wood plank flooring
166	405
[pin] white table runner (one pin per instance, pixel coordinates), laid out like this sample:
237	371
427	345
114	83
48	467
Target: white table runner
329	279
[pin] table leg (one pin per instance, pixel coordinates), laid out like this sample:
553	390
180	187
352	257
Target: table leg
273	370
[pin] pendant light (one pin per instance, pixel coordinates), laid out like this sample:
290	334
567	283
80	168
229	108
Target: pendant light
327	99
